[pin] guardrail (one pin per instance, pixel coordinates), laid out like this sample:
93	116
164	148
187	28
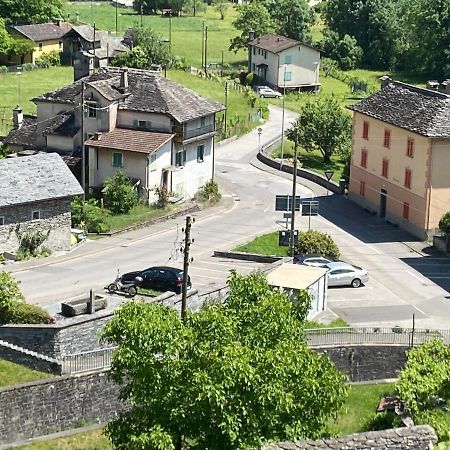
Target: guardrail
318	337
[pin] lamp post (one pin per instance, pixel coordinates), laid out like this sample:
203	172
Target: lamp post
293	202
19	73
226	106
259	139
316	65
282	117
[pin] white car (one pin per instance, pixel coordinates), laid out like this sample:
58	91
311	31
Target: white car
343	274
266	92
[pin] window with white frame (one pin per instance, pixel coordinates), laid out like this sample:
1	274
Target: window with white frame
200	153
287	76
36	215
180	158
152	162
2	221
117	159
92	110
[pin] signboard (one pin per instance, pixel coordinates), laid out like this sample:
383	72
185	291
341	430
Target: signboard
329	174
310	208
284	238
283	202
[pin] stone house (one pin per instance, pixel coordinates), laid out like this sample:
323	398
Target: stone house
36	195
156	131
284	63
401	154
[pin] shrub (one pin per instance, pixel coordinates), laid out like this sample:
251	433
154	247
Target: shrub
89	216
49	59
381	421
119	194
251	79
30	243
438	420
209	192
313	241
10	293
163	197
28	66
3	69
29	314
444	223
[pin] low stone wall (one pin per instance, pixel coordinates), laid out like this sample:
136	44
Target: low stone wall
247	256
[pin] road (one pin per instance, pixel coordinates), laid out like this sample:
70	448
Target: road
403	279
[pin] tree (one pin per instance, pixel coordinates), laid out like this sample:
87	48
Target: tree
444	223
230	376
23	12
315	242
221	6
294	19
345	51
10	293
147	6
5	39
253	16
193	7
322	125
119	194
148	49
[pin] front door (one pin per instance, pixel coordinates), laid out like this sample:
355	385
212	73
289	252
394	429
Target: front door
383	198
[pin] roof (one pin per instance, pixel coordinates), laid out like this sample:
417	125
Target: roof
419	110
41	31
63	124
36	178
131	140
276	43
24	136
295	276
148	92
86	32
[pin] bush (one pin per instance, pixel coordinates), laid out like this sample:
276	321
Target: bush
49	60
209	192
26	313
444	223
382	421
3	69
251	79
28	66
30	243
312	241
119	194
438	420
88	215
10	293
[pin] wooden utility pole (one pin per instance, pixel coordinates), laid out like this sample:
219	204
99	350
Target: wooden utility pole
206	47
83	155
187	245
294	188
203	42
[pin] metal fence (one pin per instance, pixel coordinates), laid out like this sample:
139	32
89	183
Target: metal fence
320	337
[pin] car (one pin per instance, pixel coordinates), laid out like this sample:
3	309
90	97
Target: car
266	92
159	278
314	260
343	274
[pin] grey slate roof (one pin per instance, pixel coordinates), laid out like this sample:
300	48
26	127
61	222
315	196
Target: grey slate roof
148	92
39	32
276	43
28	179
415	109
63	124
25	135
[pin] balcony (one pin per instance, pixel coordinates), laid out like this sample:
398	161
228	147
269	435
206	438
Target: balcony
189	134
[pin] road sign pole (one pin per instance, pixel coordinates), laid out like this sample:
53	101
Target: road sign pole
329	174
309	221
294	187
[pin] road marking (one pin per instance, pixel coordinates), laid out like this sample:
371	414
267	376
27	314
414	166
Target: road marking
415	276
209	270
241	264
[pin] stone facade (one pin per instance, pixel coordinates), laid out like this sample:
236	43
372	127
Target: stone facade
54	222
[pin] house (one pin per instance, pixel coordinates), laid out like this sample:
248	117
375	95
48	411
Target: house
46	37
36	195
88	49
284	63
158	132
293	278
401	155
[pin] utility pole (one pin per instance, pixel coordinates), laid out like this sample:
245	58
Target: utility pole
226	107
293	202
282	118
186	261
94	47
170	35
221	71
203	42
206	46
83	155
117	18
142	12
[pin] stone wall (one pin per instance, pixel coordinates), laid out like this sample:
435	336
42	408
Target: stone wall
44	407
54	222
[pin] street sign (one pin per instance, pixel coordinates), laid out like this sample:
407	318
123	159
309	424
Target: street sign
310	208
284	238
283	202
329	174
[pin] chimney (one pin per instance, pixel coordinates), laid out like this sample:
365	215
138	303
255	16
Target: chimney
384	81
97	136
123	88
446	86
17	117
251	36
433	85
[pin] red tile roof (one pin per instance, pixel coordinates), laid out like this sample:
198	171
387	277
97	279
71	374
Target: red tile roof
130	140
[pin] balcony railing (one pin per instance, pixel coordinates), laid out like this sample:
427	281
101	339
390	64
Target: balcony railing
188	134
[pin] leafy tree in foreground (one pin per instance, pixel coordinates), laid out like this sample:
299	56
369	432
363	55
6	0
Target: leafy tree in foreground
5	39
23	12
230	377
119	194
322	125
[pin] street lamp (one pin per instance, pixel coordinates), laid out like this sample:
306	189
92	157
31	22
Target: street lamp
316	65
19	72
282	117
227	89
259	139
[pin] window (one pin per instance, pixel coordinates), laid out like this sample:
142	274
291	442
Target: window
265	54
365	130
287	76
180	158
117	159
364	157
143	124
40	46
254	67
288	59
362	188
254	50
2	221
200	153
35	215
406	211
385	168
408	178
92	111
387	138
152	162
410	148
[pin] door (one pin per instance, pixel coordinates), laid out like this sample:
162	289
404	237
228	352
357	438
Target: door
347	277
149	279
383	198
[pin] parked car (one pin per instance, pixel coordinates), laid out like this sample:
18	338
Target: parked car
159	278
314	260
343	274
266	92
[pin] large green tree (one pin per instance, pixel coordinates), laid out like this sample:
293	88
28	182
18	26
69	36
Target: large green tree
22	12
5	39
345	51
231	376
253	16
322	125
294	19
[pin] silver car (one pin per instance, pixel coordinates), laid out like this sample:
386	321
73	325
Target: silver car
266	92
343	274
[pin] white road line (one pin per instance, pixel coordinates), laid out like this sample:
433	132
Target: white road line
242	264
206	276
209	270
415	276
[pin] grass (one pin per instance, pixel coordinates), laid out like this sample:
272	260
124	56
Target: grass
266	244
11	374
186	30
336	323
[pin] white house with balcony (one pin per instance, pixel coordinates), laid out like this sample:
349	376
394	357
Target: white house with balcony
284	63
156	131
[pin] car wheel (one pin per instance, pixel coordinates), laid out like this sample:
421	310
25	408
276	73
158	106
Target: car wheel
132	291
112	288
356	283
263	96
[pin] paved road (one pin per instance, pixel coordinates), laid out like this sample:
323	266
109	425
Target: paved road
404	278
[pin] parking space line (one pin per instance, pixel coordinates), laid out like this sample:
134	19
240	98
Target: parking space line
209	270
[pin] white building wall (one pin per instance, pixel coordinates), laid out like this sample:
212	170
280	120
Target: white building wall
304	71
159	122
163	159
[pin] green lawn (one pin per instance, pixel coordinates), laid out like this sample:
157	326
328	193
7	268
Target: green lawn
266	244
11	374
186	30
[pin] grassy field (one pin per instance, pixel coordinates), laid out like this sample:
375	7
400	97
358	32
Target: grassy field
186	30
11	373
266	244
